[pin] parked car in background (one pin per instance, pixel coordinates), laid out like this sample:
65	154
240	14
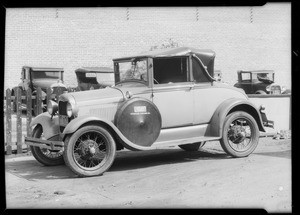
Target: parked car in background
34	77
91	78
259	82
160	98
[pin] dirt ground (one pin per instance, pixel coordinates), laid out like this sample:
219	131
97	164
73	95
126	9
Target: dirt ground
163	178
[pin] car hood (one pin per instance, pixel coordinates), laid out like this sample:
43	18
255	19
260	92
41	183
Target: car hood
44	83
102	103
88	96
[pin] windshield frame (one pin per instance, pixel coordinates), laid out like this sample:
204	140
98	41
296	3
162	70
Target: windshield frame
130	60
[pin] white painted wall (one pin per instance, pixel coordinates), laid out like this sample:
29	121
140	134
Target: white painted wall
244	38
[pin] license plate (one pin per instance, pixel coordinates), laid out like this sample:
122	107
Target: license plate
63	120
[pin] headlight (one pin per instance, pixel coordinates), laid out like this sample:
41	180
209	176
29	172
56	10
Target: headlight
268	88
68	106
69	109
52	107
283	89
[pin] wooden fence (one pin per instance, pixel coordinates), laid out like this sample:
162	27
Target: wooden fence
19	106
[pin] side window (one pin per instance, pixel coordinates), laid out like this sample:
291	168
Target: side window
246	77
170	70
198	72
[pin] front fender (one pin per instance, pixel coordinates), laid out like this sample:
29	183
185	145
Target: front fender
50	125
80	121
231	105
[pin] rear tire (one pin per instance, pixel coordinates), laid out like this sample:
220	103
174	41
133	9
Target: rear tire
90	151
240	134
45	156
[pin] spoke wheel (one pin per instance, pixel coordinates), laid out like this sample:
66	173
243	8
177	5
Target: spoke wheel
45	156
90	151
240	134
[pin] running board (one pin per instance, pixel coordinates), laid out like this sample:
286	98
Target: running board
183	141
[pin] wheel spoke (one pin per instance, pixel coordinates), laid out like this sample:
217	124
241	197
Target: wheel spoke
90	150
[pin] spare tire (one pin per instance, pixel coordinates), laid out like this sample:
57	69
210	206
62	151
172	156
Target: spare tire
139	121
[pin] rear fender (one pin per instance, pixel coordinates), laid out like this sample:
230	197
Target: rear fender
78	122
50	125
229	106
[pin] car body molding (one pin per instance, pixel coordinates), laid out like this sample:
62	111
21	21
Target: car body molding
233	104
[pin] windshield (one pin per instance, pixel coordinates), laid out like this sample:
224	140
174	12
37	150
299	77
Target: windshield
94	77
45	75
264	77
133	70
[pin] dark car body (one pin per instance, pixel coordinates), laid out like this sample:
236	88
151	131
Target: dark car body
34	77
89	78
43	77
258	82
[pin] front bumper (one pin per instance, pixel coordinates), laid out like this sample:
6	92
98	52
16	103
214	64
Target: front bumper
44	144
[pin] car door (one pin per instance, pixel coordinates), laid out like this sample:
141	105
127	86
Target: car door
173	92
175	103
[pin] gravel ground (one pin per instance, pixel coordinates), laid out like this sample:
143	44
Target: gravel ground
163	178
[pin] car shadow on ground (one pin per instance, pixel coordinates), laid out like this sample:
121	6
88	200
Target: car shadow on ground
281	154
32	170
130	160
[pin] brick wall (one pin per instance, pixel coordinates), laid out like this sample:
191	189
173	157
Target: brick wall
242	37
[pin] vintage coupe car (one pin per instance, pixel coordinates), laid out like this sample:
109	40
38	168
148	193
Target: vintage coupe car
34	77
160	98
259	82
90	78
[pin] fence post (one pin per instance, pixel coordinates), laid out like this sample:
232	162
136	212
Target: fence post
39	101
19	121
8	122
29	111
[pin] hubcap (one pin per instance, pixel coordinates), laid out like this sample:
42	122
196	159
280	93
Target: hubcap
239	135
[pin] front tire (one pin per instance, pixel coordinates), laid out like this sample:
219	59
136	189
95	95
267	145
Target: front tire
240	134
90	151
45	156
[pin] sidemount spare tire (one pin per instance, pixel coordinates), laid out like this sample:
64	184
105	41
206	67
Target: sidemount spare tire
139	120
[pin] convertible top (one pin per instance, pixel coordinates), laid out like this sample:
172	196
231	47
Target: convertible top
95	69
173	52
207	56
